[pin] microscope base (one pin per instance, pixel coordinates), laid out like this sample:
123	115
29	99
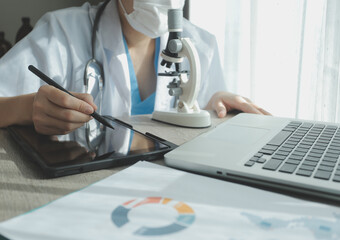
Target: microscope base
191	120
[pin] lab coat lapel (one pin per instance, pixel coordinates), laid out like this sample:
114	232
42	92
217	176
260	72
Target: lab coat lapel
116	70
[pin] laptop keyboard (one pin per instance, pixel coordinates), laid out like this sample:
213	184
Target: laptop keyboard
304	149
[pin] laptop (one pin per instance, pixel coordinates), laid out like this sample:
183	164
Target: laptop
280	153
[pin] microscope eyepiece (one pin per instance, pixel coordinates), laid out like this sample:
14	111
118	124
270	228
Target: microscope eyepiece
175	20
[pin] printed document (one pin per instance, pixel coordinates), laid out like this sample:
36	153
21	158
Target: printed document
149	201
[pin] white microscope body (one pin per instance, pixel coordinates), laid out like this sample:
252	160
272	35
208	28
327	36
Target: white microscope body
187	112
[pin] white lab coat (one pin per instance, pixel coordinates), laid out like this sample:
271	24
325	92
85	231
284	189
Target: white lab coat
60	46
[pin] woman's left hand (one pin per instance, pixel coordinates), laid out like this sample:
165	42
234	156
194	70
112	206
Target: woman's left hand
224	102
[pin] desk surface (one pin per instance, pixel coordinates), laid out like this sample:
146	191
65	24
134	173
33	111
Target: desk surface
23	187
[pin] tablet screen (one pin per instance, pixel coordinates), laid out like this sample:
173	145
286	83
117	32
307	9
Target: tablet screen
88	144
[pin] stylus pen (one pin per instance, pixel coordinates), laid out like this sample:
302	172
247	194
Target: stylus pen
49	81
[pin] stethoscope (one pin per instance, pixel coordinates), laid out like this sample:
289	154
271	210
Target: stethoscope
94	68
94	78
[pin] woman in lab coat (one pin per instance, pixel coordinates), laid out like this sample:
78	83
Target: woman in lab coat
128	45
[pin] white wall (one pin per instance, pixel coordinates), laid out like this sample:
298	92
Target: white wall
11	12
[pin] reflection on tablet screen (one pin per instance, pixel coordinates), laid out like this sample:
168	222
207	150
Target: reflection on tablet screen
89	144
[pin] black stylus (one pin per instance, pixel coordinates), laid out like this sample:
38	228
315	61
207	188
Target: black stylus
49	81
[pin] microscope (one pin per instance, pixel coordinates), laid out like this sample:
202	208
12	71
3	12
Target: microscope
185	85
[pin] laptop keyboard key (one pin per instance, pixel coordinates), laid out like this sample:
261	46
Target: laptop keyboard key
322	175
266	151
336	178
282	153
280	138
288	168
312	159
328	159
307	167
302	150
317	155
331	155
279	157
325	168
258	155
298	153
272	164
270	147
310	163
296	157
333	151
306	125
249	163
285	149
328	164
292	161
304	173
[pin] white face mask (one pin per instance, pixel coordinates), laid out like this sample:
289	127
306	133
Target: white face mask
150	17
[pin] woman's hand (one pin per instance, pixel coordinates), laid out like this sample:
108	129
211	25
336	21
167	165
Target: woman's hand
56	112
224	102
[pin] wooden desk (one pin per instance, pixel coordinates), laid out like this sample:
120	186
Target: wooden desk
23	187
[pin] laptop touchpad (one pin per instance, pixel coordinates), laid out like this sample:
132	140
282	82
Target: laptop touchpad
237	135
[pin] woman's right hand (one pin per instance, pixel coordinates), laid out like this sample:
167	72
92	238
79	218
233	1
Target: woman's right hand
56	112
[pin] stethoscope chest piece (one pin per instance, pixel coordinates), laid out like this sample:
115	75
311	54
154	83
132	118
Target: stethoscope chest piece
93	74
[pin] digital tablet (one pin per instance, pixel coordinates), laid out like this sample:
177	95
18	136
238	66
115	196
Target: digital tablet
89	148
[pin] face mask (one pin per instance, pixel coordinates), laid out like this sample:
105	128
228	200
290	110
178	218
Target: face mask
150	17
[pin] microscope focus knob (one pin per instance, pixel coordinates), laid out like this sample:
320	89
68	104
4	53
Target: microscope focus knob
175	92
175	46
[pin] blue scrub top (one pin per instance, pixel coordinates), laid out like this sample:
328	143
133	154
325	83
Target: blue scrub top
137	105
